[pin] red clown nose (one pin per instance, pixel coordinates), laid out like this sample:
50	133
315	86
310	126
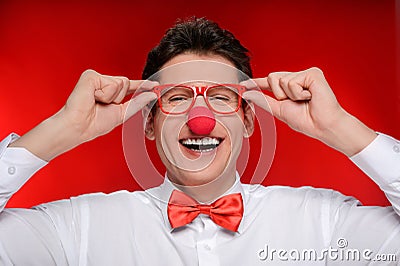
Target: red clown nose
201	120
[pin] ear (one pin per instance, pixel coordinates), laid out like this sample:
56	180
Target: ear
248	118
149	125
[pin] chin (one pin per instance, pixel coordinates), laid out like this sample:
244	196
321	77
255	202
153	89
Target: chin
198	178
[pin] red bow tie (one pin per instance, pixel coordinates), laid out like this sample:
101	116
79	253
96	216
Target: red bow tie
226	211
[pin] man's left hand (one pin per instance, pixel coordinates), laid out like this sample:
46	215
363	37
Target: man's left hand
305	101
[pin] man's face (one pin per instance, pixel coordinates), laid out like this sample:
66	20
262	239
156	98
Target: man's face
184	165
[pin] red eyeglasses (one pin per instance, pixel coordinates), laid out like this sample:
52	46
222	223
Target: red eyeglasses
178	99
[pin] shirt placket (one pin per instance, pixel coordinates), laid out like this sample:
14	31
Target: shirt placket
206	241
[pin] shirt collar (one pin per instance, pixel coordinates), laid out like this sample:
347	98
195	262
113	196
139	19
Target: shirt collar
166	188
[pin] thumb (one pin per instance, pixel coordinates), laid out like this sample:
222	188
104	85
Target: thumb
135	104
266	102
260	83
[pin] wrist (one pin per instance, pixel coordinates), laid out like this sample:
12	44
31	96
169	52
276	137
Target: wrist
347	134
50	138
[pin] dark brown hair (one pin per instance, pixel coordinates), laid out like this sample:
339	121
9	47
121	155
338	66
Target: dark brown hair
200	36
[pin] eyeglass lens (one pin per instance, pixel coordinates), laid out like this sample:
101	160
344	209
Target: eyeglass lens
221	99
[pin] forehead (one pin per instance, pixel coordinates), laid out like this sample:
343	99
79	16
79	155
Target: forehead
203	69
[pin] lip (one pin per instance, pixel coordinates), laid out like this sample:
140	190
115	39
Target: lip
197	154
200	136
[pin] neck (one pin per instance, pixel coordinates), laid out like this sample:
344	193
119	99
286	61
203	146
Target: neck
209	192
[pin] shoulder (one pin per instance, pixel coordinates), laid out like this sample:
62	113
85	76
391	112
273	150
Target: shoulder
118	199
99	201
297	195
315	207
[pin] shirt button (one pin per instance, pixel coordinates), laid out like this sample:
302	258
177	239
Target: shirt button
207	247
396	148
11	170
146	201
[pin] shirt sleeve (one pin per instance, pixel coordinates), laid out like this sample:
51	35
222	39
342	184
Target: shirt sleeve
370	232
380	160
27	236
17	165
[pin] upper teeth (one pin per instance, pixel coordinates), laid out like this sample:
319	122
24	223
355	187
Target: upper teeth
203	141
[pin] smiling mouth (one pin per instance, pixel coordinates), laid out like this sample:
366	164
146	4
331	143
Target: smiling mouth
204	144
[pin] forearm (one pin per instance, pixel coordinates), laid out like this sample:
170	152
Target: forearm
22	157
49	139
347	134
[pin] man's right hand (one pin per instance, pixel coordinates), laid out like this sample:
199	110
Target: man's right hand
93	109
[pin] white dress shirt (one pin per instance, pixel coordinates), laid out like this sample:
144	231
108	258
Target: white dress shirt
281	225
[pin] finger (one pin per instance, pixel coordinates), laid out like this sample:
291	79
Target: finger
108	89
141	85
292	86
260	83
89	78
132	86
273	81
132	106
123	92
266	102
299	92
314	83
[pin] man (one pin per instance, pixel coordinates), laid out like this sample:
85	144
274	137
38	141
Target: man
217	220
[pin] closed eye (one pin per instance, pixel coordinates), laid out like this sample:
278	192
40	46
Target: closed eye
177	98
219	98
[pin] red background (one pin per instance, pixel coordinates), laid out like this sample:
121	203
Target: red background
44	46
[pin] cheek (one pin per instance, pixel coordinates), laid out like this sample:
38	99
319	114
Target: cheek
235	129
167	129
234	125
236	136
